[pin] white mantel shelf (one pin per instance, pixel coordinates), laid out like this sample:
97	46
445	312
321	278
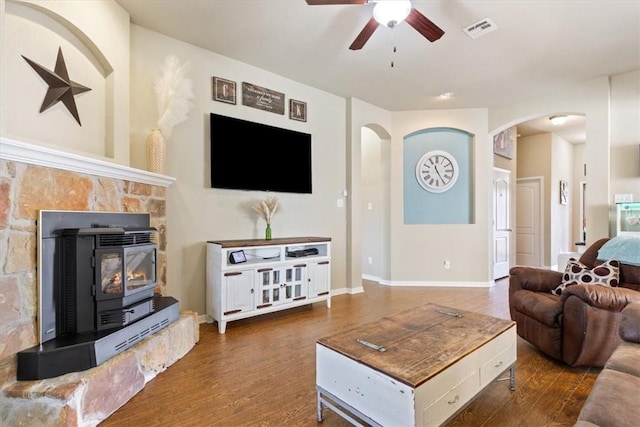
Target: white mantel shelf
47	157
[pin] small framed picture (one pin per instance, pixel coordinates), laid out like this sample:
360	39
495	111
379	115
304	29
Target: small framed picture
224	90
564	196
503	143
297	110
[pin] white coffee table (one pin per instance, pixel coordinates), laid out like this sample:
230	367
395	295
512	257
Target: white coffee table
431	362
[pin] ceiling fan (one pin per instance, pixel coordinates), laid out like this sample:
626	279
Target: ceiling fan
389	13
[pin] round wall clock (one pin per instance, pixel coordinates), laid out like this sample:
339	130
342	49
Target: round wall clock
437	171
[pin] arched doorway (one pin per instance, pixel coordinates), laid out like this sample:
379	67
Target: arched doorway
375	205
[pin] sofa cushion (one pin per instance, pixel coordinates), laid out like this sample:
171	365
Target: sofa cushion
630	323
576	273
625	359
612	400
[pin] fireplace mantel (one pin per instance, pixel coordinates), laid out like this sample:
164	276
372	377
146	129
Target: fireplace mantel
47	157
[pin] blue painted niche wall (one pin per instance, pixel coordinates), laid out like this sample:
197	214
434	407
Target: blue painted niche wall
451	207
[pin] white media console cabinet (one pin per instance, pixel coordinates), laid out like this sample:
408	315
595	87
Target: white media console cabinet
247	278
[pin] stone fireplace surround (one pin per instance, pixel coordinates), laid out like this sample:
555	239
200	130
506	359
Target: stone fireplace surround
34	178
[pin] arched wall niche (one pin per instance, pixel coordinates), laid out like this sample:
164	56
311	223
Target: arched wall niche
439	203
93	57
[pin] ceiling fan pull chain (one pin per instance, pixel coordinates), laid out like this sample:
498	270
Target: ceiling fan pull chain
392	56
394	49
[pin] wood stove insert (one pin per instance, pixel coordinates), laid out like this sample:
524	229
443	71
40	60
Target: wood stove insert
97	280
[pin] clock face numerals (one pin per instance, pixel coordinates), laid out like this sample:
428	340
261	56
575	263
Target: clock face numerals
437	171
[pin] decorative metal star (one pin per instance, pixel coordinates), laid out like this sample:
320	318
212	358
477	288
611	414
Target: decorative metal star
61	88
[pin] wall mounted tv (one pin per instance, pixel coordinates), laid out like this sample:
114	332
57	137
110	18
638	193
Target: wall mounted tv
253	156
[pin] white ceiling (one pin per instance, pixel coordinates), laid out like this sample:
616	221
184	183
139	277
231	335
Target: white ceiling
539	46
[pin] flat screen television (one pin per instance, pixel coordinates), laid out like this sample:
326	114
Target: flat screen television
253	156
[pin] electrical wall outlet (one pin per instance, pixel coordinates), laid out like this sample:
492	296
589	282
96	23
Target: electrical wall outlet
447	264
370	260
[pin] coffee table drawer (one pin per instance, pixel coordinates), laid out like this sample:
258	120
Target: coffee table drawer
497	356
497	365
438	412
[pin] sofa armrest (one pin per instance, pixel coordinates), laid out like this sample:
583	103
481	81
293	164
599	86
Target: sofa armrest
602	297
630	323
533	279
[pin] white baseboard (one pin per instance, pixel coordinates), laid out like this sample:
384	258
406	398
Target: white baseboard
440	284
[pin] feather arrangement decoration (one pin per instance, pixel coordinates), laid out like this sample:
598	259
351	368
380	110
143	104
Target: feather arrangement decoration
174	94
266	208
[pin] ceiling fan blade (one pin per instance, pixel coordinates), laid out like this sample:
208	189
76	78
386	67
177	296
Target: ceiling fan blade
364	35
323	2
424	26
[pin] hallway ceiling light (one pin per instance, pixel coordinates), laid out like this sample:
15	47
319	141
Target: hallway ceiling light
558	120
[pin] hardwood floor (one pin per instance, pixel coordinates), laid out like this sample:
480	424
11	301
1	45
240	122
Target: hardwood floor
261	372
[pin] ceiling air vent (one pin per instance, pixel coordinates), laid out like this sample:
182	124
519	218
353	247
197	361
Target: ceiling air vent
480	28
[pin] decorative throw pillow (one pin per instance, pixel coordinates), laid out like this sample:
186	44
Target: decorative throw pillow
576	273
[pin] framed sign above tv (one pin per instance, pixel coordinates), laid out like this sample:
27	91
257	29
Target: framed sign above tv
253	156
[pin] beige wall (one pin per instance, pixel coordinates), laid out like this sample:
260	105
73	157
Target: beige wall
197	213
611	106
625	139
418	251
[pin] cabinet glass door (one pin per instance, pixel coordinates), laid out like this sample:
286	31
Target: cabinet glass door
272	291
295	279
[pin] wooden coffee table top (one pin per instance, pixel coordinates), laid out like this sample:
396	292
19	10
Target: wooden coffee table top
419	343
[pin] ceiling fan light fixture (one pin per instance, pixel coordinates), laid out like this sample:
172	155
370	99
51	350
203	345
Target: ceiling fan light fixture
558	120
391	12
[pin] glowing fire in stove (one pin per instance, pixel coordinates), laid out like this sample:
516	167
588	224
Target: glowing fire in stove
136	275
112	284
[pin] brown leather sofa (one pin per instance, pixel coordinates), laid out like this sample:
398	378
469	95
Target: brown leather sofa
579	327
613	401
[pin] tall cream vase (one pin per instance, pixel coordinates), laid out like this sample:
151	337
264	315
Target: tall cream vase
156	151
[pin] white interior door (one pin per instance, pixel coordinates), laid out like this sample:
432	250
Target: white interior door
501	222
529	222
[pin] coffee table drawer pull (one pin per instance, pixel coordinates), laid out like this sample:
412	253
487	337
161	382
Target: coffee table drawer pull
454	400
497	365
